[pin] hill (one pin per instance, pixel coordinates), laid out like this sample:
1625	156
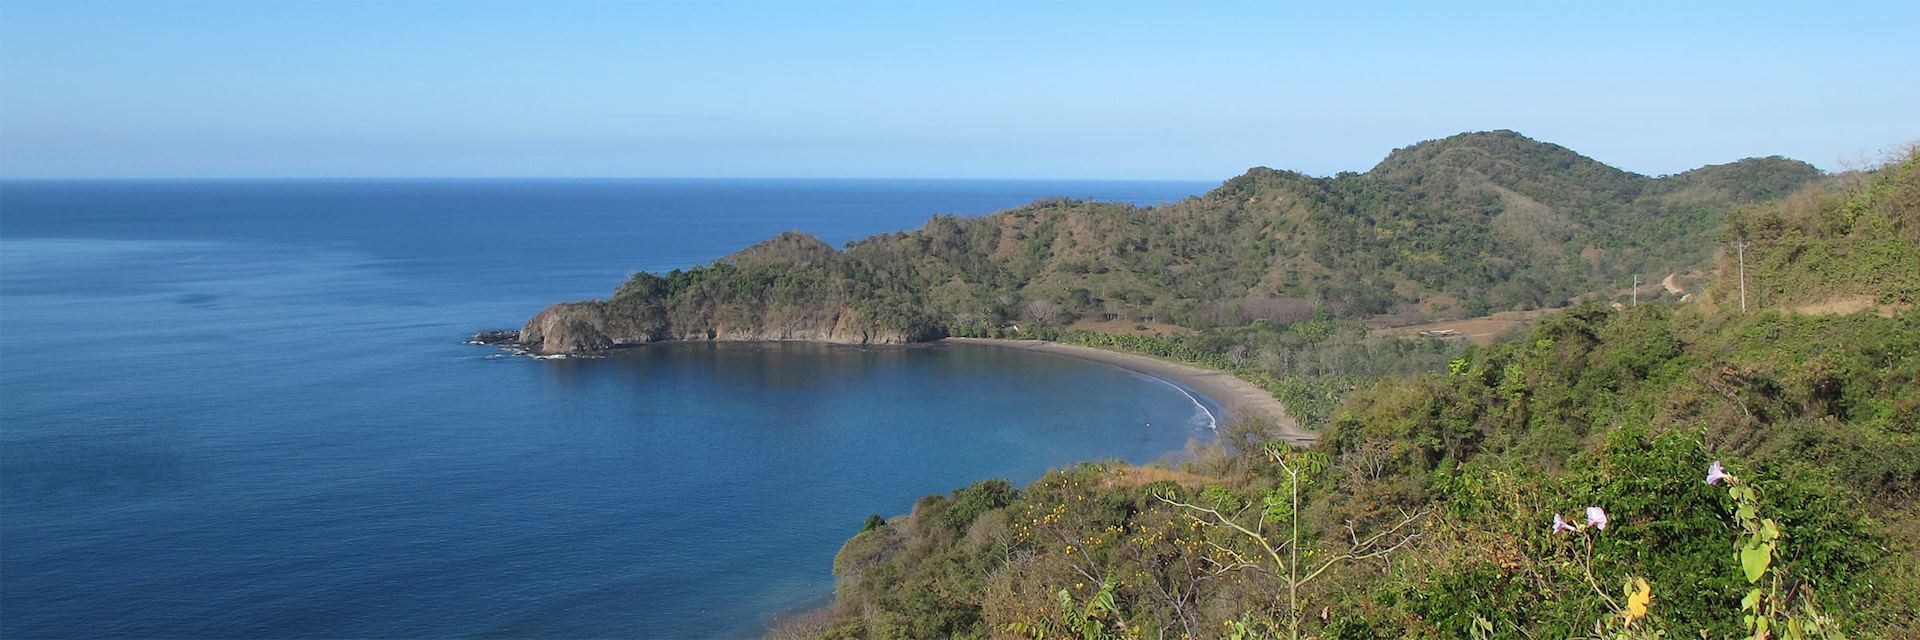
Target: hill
1444	228
1666	470
1857	245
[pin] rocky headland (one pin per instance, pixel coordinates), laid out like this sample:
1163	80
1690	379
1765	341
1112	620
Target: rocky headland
1440	230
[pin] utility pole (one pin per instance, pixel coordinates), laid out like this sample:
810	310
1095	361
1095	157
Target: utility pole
1740	246
1636	289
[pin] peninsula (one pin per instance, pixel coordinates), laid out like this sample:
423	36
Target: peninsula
1443	229
1277	276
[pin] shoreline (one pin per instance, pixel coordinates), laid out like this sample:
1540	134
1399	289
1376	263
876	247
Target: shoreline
1235	397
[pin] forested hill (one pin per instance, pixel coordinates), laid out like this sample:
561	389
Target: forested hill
1657	471
1446	228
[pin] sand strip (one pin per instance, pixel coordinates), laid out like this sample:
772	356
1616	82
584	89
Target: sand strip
1237	397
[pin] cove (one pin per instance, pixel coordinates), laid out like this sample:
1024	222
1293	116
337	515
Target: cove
245	409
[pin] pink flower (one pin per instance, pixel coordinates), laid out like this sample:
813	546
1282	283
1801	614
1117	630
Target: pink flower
1597	518
1717	473
1560	524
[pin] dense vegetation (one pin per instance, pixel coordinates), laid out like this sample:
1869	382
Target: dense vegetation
1718	473
1446	228
1267	276
1309	365
1821	244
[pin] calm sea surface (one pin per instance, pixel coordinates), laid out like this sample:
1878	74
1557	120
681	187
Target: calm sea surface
243	409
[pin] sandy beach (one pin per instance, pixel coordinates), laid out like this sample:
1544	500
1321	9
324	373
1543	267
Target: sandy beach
1237	397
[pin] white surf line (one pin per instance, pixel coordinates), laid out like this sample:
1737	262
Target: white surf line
1213	423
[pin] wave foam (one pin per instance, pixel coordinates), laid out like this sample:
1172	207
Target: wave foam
1213	422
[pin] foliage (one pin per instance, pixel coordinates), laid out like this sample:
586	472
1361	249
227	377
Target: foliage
1621	409
1467	224
1091	621
1309	365
1745	474
1822	244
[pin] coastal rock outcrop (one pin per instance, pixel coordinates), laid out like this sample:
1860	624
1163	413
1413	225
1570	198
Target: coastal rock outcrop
791	287
577	328
567	328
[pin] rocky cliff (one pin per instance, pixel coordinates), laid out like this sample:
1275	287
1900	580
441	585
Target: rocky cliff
574	328
792	287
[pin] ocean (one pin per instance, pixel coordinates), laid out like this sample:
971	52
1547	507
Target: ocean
245	409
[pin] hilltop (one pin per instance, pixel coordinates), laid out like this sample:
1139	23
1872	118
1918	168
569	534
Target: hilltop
1447	228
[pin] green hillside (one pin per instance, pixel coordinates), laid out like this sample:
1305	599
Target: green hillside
1428	508
1442	229
1859	244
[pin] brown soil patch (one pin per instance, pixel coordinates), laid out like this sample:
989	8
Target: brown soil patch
1672	285
1479	330
1848	305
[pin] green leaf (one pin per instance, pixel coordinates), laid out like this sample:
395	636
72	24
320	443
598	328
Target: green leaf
1755	560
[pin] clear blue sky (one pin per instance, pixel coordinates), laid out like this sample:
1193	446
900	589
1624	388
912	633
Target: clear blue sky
1182	90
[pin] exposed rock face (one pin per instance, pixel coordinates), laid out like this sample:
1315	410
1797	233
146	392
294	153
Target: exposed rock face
575	328
497	337
791	287
569	328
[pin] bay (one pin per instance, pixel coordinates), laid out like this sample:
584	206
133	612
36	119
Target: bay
244	408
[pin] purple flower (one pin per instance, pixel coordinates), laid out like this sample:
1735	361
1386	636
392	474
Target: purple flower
1597	518
1560	524
1717	473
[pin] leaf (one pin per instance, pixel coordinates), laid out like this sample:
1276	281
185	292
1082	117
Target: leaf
1752	601
1755	560
1639	598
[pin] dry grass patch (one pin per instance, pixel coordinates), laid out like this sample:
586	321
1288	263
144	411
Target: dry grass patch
1142	476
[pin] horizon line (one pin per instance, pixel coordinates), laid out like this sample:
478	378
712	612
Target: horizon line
509	177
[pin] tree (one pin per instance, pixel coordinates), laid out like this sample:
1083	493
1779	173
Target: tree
1044	312
1298	467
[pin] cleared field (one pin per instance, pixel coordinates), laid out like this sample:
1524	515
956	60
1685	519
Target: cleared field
1479	330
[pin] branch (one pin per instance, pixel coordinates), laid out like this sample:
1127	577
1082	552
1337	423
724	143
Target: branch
1364	550
1226	522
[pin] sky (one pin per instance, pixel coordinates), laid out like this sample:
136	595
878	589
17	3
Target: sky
1085	90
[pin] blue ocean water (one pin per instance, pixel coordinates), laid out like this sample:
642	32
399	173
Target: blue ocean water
244	409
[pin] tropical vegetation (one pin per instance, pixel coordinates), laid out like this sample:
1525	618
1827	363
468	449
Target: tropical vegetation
1443	229
1666	470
